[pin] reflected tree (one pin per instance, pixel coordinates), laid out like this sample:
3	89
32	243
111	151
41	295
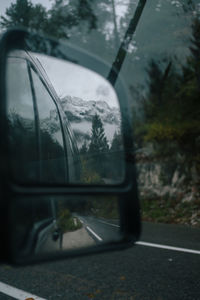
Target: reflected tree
98	148
84	148
117	156
95	156
99	141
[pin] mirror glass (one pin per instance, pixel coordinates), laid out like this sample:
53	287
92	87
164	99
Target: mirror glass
64	122
56	224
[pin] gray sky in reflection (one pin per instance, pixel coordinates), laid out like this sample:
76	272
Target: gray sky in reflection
71	79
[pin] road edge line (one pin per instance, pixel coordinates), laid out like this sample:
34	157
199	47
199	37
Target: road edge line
141	243
96	235
17	293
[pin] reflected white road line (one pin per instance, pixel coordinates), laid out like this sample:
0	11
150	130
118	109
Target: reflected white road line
168	247
96	235
109	223
17	293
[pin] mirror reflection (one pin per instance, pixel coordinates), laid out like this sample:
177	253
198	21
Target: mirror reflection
45	225
64	122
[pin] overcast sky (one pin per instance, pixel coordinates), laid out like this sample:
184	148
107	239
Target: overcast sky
71	79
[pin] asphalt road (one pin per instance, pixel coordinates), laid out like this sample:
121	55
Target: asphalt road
138	273
101	230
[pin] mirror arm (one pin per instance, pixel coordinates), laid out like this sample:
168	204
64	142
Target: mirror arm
118	62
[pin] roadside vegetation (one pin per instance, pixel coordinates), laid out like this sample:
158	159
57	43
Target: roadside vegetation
104	207
67	222
170	131
172	211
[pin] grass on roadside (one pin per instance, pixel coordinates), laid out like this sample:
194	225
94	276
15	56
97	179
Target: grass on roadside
67	222
171	211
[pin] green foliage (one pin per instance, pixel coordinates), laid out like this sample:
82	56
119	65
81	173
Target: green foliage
89	175
104	207
99	142
55	22
85	13
93	158
116	142
179	132
98	148
117	157
171	125
84	149
172	106
67	222
24	14
99	163
171	210
84	22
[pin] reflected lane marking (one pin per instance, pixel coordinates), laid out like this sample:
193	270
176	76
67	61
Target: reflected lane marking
109	223
168	247
17	293
96	235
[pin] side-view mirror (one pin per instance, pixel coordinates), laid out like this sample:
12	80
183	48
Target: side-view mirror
67	177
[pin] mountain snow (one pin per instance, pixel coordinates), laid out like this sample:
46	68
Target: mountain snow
78	110
80	114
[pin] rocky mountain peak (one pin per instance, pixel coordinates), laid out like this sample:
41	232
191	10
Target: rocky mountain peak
78	110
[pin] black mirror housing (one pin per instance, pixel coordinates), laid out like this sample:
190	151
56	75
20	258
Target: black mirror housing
21	195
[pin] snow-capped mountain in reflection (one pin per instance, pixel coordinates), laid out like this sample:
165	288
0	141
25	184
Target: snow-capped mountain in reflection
81	112
78	110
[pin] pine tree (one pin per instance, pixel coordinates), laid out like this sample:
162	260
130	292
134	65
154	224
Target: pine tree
195	49
98	148
116	142
117	157
99	143
24	14
56	21
84	148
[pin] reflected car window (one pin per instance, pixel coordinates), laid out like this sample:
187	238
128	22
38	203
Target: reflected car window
53	160
21	120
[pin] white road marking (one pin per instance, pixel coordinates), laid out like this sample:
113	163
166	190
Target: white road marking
159	245
98	237
17	293
109	223
168	247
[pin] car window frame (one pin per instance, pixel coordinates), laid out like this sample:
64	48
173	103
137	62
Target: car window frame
35	113
32	66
